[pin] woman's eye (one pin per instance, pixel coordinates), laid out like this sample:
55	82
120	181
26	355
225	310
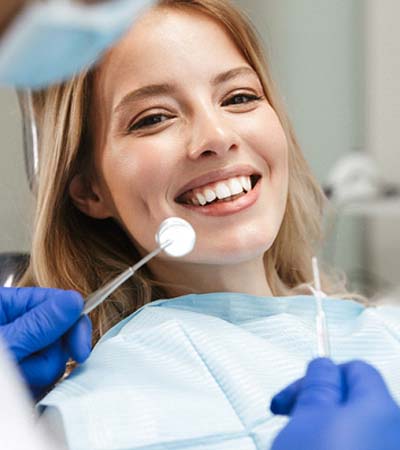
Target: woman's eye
148	121
240	99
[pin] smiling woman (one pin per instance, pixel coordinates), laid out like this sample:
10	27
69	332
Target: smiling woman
180	118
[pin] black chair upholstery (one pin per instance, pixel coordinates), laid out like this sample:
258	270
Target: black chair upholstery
12	266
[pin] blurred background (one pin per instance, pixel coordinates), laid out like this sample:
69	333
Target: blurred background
337	66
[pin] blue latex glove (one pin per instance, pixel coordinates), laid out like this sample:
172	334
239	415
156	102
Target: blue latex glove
345	407
42	329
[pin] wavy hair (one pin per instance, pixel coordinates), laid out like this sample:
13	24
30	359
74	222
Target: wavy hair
73	251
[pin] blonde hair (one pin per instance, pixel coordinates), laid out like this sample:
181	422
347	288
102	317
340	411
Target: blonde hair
73	251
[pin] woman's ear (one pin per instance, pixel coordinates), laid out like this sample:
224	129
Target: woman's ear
87	198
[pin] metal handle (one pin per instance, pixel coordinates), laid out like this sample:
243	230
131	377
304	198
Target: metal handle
101	294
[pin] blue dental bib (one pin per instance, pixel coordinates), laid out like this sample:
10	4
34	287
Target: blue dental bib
199	371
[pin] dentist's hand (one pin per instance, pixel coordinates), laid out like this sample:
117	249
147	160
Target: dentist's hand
345	407
42	329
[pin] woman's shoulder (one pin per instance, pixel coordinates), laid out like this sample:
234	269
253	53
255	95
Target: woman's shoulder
231	307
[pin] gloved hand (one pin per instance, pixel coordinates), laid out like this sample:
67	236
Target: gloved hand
42	329
345	407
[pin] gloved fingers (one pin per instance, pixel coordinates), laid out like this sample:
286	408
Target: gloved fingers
17	301
45	368
78	340
321	387
44	324
364	382
282	403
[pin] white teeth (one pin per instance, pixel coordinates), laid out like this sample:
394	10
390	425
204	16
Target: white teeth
246	183
210	195
222	191
235	186
200	197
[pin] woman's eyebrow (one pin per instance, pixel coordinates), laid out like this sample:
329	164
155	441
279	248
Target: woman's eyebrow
146	91
153	90
232	73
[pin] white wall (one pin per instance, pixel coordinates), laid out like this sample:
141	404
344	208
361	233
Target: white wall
15	198
383	118
316	50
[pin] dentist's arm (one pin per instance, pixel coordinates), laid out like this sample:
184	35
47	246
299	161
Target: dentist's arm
345	407
47	42
42	329
9	9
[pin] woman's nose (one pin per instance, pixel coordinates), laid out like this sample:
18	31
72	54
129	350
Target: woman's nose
210	135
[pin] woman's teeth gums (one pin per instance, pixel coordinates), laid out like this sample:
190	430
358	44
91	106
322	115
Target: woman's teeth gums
210	195
226	190
201	199
222	191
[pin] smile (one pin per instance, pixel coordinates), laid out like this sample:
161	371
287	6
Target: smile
223	197
222	191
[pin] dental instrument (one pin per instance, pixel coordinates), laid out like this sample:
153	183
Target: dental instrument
175	236
323	348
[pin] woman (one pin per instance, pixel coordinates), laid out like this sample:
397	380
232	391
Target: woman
181	119
89	251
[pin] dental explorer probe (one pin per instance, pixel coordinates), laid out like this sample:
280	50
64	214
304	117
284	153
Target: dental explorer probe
323	349
175	236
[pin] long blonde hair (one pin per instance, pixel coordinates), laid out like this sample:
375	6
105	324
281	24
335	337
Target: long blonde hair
73	251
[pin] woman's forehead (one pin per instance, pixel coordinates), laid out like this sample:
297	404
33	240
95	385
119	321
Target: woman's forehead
166	45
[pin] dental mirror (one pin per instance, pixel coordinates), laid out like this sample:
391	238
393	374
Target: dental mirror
175	236
181	235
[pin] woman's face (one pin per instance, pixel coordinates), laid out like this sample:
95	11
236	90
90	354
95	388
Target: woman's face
180	118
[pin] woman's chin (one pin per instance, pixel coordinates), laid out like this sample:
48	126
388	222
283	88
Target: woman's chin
230	254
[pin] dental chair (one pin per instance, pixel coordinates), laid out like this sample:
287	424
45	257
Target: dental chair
13	264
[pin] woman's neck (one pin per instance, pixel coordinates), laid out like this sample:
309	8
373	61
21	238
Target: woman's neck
182	278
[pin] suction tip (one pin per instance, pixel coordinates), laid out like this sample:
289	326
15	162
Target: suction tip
181	235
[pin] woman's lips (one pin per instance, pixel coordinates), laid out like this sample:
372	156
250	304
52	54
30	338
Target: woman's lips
215	176
225	208
220	190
